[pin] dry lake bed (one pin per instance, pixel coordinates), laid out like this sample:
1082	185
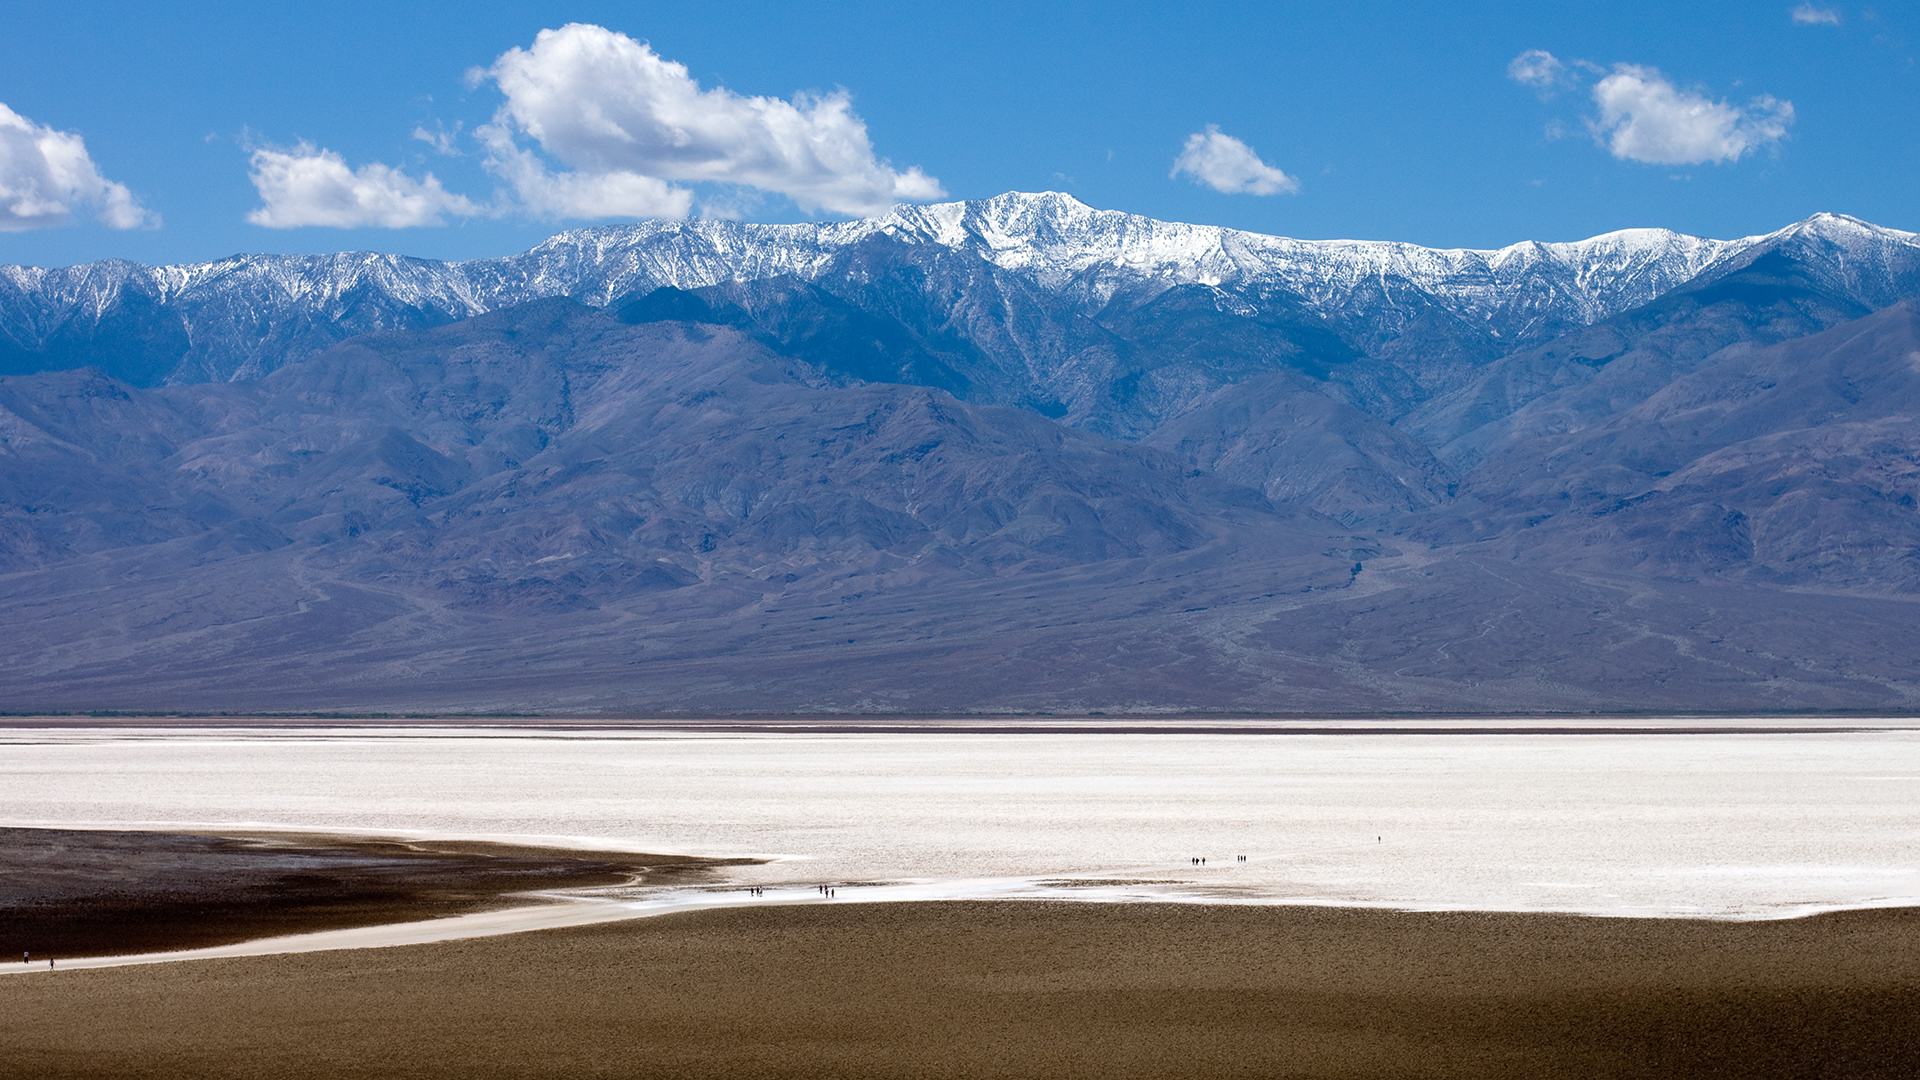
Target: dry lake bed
1377	898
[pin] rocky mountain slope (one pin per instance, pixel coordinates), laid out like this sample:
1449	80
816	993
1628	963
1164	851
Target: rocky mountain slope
1015	454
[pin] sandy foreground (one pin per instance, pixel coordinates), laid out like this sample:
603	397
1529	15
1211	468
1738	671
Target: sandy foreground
873	989
1017	989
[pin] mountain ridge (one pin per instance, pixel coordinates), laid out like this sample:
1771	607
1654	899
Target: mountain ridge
223	310
1017	455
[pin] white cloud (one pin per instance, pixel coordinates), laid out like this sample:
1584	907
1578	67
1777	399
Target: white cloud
1539	69
316	187
443	139
581	193
629	123
1643	117
46	177
1808	15
1230	166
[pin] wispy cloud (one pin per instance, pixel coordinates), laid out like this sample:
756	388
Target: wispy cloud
444	140
1644	117
1808	15
1539	69
1547	74
312	186
628	124
47	178
1227	165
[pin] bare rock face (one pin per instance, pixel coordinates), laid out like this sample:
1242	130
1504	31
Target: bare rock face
1792	465
1015	454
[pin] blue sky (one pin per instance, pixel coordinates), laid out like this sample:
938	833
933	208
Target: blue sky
170	133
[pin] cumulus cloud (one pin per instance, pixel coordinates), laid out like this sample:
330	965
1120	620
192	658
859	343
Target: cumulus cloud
310	186
47	177
582	193
1808	15
1644	117
1230	166
628	124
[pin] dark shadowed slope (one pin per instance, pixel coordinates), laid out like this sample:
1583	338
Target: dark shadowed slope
548	508
552	481
1795	465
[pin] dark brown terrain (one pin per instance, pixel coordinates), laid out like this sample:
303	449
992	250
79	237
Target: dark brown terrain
1019	990
71	892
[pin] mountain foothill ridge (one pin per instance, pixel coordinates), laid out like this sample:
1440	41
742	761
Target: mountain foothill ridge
1015	454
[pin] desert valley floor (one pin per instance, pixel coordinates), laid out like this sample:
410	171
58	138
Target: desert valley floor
1646	897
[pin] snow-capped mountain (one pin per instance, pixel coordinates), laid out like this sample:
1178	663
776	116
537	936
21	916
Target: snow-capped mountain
247	315
1010	454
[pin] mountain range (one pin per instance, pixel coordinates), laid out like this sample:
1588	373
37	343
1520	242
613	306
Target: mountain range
1013	455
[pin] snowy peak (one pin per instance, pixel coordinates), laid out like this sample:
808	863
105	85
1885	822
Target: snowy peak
1847	231
1866	263
1067	246
242	316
